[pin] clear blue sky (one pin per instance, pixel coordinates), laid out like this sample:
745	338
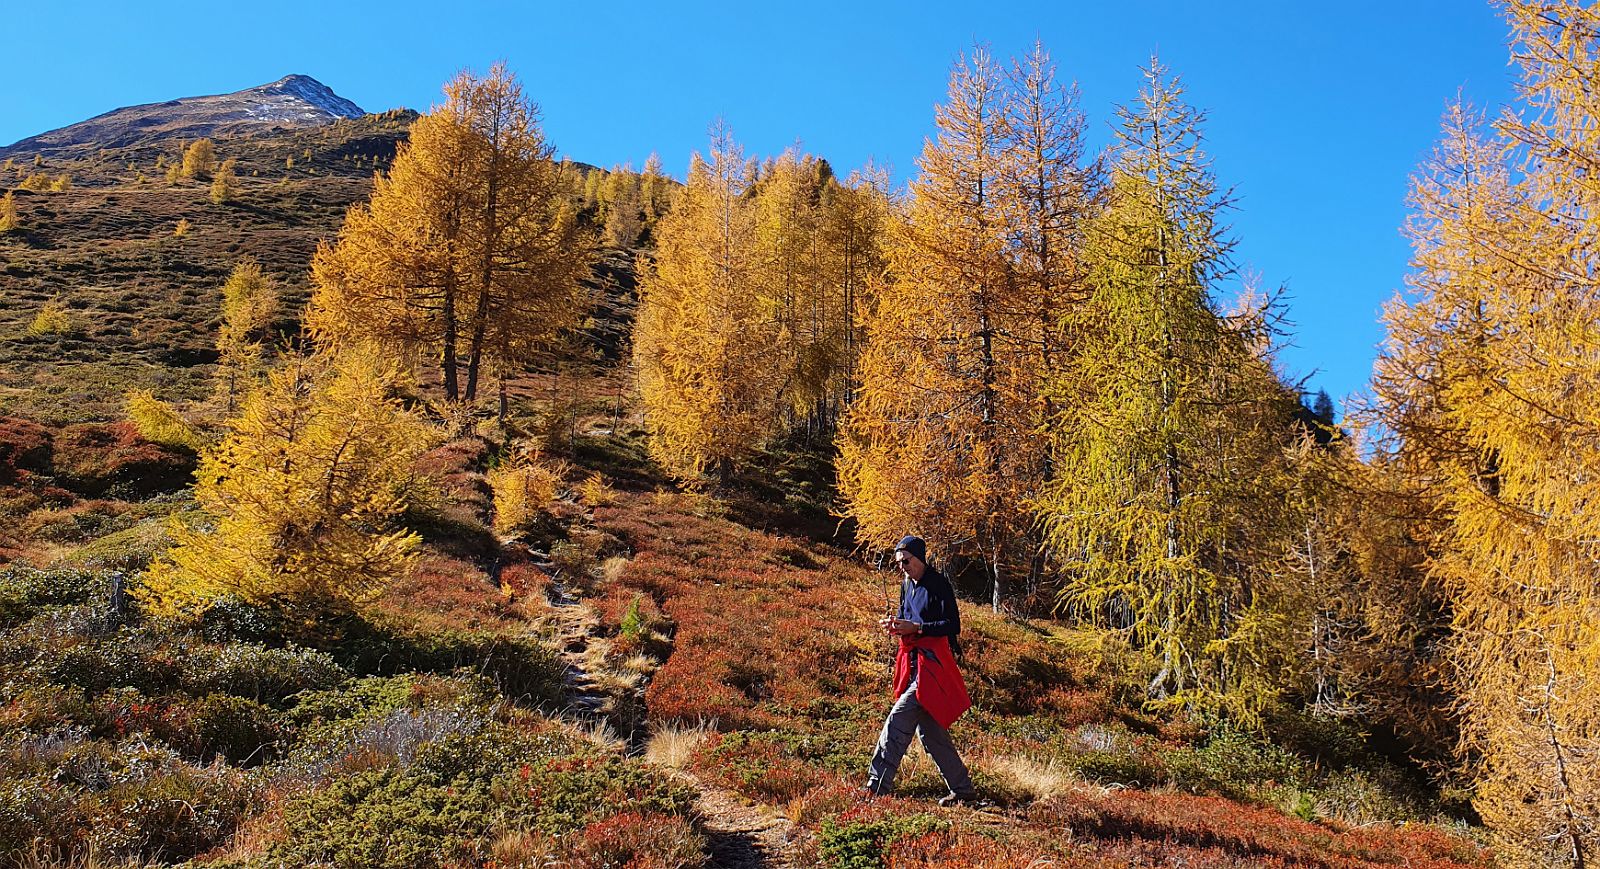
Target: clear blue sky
1319	112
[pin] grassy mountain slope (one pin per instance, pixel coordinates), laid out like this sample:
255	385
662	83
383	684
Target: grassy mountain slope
607	687
142	301
449	721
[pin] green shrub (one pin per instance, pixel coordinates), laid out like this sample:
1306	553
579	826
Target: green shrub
1329	742
860	845
461	788
261	673
239	729
632	624
380	695
78	523
94	660
384	819
25	590
129	550
584	787
1382	792
128	801
231	618
1237	766
1116	767
522	669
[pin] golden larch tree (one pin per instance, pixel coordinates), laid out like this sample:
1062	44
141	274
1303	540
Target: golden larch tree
9	222
1490	383
469	248
303	495
249	302
942	435
702	343
1168	426
225	183
199	160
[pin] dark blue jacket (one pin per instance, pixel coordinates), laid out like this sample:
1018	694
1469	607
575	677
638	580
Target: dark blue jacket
931	602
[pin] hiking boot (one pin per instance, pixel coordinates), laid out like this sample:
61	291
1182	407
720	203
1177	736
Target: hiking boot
955	799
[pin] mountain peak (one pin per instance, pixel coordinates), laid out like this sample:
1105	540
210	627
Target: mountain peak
308	89
292	102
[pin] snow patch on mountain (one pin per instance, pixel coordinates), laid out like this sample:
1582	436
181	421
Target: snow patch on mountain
279	99
294	101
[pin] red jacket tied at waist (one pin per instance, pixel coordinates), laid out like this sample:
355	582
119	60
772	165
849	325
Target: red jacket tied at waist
940	689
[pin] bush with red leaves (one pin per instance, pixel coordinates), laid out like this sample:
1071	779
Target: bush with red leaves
25	448
97	458
638	840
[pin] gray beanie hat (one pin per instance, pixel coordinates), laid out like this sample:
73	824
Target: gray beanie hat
914	546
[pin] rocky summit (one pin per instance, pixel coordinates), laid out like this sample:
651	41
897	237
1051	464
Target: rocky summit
292	102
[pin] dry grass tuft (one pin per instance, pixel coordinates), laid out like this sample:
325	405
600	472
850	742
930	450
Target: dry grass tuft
641	664
611	569
1039	779
603	736
520	848
674	745
612	682
39	858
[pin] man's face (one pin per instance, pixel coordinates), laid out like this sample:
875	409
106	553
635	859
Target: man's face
910	566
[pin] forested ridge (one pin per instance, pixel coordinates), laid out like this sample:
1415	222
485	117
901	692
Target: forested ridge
421	499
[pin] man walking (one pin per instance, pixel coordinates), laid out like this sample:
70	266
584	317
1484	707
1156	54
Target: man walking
929	692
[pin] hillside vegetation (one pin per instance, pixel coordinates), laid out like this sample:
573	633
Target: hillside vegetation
388	494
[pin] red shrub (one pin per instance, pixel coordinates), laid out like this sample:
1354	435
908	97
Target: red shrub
638	840
956	850
24	447
523	581
91	458
1258	835
448	593
458	468
1070	707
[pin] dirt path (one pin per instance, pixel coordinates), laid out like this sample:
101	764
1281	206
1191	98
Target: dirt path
739	834
744	836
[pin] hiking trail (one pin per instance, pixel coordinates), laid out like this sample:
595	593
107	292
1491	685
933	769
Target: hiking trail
739	834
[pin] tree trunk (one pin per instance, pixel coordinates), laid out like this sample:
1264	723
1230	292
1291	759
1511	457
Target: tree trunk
451	385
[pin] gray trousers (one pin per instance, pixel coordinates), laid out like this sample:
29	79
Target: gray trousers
905	718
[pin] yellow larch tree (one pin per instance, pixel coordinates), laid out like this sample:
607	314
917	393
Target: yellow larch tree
159	422
224	183
249	302
942	435
1168	430
199	160
1490	381
921	451
9	222
624	211
788	204
469	249
303	495
855	218
702	342
656	190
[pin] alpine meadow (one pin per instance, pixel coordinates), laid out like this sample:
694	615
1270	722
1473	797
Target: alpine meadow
393	490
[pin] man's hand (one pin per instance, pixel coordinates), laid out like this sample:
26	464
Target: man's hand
899	627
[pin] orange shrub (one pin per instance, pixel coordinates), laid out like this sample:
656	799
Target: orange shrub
92	458
24	448
638	840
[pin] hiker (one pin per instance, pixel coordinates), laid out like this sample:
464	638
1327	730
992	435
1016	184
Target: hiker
928	691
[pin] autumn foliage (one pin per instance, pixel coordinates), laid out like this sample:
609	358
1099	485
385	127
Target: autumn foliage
468	252
303	493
